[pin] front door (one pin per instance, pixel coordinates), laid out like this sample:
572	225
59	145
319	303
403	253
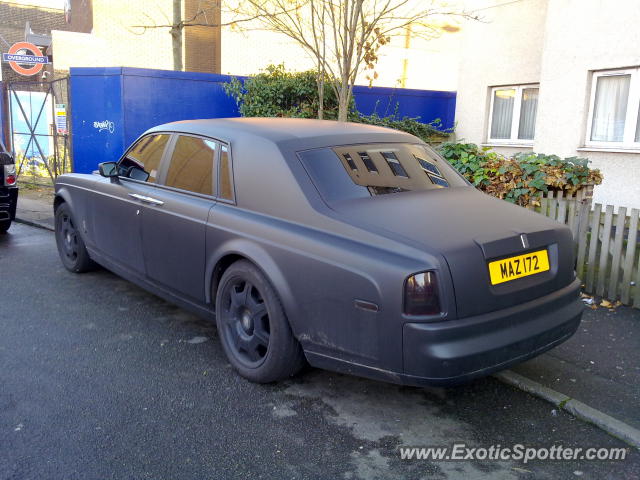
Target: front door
175	217
117	207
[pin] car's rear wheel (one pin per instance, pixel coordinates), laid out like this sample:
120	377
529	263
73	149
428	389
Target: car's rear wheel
4	226
71	247
253	328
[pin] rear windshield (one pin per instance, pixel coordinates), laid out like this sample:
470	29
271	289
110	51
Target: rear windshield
358	171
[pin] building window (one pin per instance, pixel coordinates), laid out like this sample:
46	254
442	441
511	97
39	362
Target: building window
513	114
614	110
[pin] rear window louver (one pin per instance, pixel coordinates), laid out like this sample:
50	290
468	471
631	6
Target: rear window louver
432	172
366	159
394	164
350	162
438	181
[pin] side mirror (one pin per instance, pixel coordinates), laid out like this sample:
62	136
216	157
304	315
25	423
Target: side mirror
108	169
137	173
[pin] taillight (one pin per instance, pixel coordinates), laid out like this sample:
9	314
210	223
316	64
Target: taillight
421	294
9	175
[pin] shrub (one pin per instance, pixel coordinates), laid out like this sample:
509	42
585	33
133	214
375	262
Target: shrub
278	93
521	178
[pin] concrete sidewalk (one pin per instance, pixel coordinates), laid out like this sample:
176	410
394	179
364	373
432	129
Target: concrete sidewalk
599	366
35	206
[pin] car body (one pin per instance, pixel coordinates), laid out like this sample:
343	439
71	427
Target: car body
8	189
379	254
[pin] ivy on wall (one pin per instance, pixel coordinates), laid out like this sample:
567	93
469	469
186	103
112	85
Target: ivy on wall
522	178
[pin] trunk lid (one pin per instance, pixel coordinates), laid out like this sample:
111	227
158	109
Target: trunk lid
470	229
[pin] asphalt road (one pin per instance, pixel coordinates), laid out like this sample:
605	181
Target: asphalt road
101	380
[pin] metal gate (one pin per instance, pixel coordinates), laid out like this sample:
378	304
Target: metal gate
38	113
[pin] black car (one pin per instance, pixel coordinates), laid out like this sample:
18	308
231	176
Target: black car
355	248
8	190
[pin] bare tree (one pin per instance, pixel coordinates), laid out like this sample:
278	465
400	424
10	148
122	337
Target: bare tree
176	35
344	36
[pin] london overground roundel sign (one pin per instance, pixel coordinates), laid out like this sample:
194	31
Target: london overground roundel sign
18	61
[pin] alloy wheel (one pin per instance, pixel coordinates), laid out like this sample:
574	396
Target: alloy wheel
246	323
68	237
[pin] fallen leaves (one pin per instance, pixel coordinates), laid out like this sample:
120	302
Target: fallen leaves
610	305
606	304
591	302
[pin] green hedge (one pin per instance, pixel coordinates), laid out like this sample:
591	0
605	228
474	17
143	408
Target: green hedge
433	132
276	92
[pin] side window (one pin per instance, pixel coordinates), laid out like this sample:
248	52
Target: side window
191	166
226	174
146	154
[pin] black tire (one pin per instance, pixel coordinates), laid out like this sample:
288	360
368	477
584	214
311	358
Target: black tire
253	327
71	247
4	226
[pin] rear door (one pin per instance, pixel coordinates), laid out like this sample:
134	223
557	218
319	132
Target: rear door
175	217
117	207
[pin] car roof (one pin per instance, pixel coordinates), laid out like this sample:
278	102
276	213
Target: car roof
277	129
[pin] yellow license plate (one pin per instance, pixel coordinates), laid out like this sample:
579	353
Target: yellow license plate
517	267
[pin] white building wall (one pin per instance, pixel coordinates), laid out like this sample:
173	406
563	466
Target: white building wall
583	36
559	44
503	48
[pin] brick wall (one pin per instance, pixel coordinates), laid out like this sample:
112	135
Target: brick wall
125	33
136	34
201	44
13	17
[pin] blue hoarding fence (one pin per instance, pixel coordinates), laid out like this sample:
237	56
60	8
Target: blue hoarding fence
427	105
112	106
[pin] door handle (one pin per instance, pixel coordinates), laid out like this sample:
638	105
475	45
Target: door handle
136	196
145	199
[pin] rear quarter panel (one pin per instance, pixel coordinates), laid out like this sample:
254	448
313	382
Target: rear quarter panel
318	275
317	264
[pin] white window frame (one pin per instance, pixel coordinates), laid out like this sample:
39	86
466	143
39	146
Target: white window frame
633	104
515	119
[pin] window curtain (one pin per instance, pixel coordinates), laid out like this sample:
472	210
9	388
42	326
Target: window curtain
610	108
528	111
502	113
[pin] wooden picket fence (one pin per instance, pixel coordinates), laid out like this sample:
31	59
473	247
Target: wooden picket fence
607	244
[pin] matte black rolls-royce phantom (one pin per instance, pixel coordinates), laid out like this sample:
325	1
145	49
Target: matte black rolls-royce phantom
354	248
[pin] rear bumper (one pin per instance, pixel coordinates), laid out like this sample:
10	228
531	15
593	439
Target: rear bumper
8	202
456	351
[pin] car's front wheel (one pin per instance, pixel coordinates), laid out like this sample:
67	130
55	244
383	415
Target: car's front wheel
71	247
253	328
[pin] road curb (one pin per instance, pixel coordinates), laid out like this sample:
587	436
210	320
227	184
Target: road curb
584	412
34	224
